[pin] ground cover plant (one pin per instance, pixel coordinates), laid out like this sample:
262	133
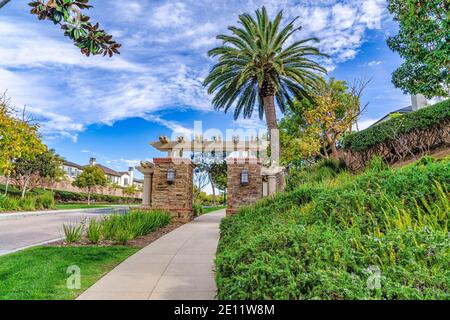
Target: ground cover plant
338	237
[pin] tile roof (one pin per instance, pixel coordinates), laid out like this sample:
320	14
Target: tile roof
108	171
72	164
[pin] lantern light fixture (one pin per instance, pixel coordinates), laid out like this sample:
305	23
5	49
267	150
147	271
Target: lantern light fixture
244	178
170	176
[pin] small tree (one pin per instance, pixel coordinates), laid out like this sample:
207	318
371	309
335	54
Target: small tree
130	190
30	173
313	128
18	138
90	178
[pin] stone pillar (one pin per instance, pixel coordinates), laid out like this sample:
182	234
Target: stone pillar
272	179
175	198
238	194
146	169
147	193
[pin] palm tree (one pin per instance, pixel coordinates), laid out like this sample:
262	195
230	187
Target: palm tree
257	66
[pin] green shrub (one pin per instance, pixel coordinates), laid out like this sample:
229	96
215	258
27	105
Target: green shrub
28	203
45	200
322	239
9	203
198	209
73	232
71	197
94	231
132	225
421	119
318	172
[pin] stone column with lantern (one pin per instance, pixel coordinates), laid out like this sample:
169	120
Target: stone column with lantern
245	183
172	187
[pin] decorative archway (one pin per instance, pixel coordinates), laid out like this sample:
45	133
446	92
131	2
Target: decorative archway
168	182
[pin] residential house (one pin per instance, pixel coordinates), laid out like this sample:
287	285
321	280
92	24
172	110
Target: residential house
120	178
72	170
418	101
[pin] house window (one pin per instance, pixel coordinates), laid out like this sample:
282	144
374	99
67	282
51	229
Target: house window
125	181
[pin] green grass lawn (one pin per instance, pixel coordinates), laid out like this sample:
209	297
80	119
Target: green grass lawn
211	209
40	273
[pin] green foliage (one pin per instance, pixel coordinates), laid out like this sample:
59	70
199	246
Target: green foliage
19	139
32	171
94	231
423	41
73	232
73	197
317	172
423	118
258	61
86	36
198	209
376	164
91	177
320	240
31	202
122	228
313	128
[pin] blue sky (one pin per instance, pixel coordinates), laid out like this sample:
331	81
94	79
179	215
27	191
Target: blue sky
111	108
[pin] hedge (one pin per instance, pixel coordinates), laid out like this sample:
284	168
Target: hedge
66	196
421	119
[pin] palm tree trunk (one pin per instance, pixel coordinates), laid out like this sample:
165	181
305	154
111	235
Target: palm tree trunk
272	126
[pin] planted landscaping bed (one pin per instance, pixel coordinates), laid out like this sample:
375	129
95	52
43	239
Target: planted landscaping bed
340	236
135	227
95	247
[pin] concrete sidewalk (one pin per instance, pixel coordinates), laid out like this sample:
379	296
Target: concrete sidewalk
179	265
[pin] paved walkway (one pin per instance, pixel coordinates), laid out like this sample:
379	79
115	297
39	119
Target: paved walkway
177	266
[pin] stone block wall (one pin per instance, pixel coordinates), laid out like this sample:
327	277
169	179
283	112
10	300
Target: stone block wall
177	197
239	195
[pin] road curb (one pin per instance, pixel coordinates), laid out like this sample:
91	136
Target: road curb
55	212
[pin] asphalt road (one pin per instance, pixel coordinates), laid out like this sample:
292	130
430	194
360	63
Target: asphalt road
24	231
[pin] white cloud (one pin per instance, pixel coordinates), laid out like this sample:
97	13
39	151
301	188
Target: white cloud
163	59
344	16
171	15
374	63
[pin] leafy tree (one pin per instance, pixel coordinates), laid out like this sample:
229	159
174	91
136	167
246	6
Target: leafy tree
314	127
67	13
424	42
218	178
90	178
18	139
210	169
30	173
258	65
130	190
